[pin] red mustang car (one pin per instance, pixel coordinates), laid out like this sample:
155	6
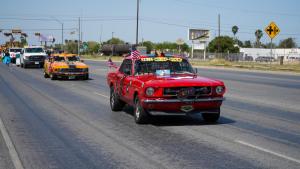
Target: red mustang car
159	85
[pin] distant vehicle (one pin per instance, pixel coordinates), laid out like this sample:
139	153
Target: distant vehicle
14	52
164	85
265	59
33	56
117	50
248	58
67	66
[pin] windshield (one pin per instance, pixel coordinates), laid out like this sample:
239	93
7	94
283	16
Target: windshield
180	66
59	59
34	50
73	59
15	50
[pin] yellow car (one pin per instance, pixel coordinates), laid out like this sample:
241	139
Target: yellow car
67	66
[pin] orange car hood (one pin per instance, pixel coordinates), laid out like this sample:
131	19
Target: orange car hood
66	64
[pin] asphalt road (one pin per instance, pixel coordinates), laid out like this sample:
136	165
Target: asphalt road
69	125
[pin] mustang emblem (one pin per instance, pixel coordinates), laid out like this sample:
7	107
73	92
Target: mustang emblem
185	92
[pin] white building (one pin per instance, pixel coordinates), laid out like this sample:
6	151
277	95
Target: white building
289	54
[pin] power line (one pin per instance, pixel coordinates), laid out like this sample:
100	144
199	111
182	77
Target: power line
236	9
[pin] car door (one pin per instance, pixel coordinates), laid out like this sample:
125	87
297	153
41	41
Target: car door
124	77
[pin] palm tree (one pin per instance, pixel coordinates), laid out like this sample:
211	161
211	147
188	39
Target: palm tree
258	35
235	29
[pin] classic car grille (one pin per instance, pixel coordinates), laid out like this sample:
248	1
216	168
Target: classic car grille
191	91
73	70
36	58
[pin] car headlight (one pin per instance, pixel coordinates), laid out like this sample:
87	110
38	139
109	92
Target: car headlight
220	89
149	91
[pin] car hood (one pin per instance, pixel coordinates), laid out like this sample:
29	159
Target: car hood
179	81
69	64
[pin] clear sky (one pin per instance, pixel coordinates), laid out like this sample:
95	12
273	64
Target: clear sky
161	20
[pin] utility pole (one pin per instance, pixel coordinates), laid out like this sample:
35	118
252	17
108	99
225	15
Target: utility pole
112	45
219	33
62	33
137	22
79	36
62	29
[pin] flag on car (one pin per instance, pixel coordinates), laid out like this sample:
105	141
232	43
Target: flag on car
111	64
135	54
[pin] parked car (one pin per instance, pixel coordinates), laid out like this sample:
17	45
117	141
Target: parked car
248	58
33	56
67	66
154	85
265	59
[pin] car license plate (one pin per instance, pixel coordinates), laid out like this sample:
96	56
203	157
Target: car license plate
72	77
36	63
187	108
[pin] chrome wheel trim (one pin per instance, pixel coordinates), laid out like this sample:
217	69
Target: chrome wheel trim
112	99
137	112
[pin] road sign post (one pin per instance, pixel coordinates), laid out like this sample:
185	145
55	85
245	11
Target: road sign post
272	30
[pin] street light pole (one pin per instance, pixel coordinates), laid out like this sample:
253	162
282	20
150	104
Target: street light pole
62	33
62	30
78	36
137	22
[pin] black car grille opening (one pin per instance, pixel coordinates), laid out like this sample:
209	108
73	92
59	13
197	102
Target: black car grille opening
36	58
73	70
197	91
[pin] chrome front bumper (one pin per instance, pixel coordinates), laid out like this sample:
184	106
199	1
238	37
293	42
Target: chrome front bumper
214	99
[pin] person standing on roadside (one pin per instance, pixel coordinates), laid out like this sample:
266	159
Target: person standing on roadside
6	58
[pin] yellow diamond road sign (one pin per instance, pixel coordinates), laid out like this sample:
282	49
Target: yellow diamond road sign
272	30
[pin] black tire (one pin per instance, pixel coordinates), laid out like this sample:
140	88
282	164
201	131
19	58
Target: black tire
24	66
211	117
46	75
115	103
86	77
53	77
141	116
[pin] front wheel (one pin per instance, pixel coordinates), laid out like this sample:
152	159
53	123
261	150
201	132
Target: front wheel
211	117
115	103
46	75
141	115
53	77
86	77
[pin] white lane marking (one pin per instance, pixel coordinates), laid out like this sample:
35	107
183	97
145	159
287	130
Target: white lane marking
267	151
11	148
101	95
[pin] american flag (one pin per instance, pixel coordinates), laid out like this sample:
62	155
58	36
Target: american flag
110	63
135	54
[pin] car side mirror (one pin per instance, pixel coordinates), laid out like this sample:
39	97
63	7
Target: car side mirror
82	61
196	70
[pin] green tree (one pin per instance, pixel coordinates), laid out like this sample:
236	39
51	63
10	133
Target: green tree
247	44
258	34
287	43
269	45
71	47
114	41
93	47
235	29
226	45
149	45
